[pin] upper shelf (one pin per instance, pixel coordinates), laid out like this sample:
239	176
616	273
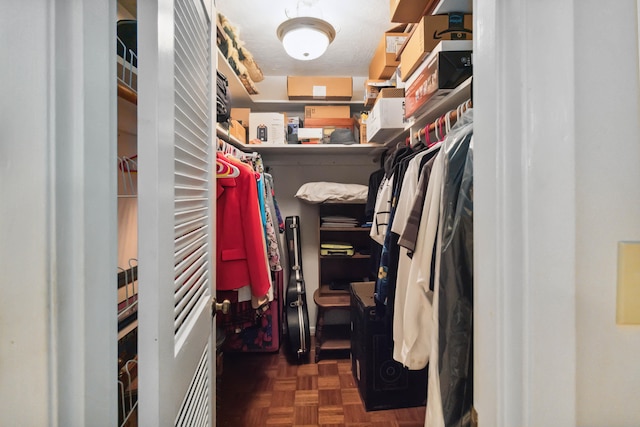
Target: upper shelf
273	91
433	110
294	149
329	149
437	108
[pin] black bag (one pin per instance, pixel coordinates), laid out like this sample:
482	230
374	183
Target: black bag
223	98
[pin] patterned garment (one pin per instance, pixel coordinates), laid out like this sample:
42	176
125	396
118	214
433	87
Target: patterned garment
252	330
269	181
273	250
273	247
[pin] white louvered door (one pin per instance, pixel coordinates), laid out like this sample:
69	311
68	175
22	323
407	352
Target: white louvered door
176	213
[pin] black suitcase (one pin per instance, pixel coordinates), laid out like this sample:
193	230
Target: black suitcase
382	382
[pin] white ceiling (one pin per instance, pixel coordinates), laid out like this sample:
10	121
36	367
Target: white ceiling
359	27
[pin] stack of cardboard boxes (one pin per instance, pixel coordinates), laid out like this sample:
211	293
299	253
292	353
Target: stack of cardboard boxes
428	59
328	118
319	121
417	62
315	127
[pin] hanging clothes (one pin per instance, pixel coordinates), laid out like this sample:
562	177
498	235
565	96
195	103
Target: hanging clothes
423	217
450	384
404	207
375	181
455	303
273	248
240	245
385	282
253	321
417	316
276	209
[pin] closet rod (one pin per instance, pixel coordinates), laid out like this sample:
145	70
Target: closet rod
431	127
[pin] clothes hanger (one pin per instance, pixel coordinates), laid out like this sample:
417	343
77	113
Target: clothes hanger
459	111
443	129
427	136
226	169
436	130
447	122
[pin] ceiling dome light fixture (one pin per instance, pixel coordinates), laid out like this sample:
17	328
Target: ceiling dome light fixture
306	38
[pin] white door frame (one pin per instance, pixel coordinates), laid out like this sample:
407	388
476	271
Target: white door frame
58	214
59	192
524	226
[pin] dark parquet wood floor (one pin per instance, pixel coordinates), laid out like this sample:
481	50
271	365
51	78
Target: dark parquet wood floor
257	390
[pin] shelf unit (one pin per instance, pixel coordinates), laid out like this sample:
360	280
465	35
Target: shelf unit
339	270
331	337
293	149
432	111
127	219
277	96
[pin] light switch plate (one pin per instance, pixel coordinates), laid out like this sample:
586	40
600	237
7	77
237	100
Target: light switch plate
628	292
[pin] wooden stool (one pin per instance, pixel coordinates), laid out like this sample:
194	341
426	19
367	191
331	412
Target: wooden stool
331	337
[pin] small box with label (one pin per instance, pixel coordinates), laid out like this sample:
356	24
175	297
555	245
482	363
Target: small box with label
269	128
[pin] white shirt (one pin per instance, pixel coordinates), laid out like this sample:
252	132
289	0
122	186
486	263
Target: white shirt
418	321
382	210
403	209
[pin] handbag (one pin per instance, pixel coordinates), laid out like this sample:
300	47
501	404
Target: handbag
223	98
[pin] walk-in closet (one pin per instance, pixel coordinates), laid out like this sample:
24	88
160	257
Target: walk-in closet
432	222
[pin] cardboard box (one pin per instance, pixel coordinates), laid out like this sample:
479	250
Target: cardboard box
267	127
384	63
345	123
440	73
363	134
238	131
241	115
327	112
430	31
322	88
391	92
407	11
372	88
385	119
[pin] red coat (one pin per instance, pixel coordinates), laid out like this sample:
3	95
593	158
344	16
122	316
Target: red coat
240	247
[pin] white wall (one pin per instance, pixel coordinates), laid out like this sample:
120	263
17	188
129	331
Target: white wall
608	208
24	261
289	173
